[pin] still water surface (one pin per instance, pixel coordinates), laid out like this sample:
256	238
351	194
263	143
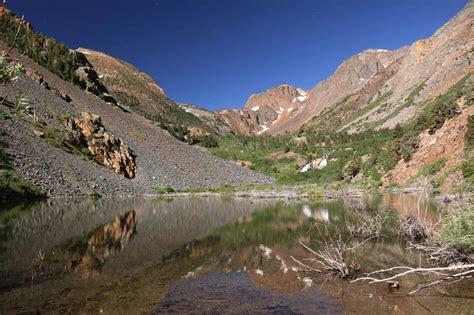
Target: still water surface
194	255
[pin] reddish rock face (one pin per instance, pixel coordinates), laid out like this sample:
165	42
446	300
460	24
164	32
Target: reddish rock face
447	143
265	111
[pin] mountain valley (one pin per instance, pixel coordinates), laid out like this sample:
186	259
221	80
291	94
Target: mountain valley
367	120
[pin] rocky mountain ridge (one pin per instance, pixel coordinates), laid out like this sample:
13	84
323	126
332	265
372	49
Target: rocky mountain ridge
352	95
429	66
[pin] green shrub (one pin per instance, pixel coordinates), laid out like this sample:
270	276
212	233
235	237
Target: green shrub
12	184
437	182
163	190
432	169
468	164
10	71
392	186
442	108
469	136
53	136
207	141
138	134
459	229
94	195
467	168
353	167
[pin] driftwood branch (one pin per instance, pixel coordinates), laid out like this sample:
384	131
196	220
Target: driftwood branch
453	278
304	265
439	271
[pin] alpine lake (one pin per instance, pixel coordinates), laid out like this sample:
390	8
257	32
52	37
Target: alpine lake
220	254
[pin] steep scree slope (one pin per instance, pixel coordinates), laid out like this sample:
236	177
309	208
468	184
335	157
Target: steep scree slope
160	158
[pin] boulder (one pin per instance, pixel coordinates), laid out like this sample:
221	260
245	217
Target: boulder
66	97
106	97
39	133
104	147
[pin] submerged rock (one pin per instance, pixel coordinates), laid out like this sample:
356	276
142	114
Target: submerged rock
234	292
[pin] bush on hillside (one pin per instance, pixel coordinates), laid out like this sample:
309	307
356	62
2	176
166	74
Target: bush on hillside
469	136
459	228
353	167
207	141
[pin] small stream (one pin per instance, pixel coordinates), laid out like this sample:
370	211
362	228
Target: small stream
205	255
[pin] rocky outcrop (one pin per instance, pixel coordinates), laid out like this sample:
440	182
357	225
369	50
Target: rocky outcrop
122	77
107	149
38	78
87	79
241	122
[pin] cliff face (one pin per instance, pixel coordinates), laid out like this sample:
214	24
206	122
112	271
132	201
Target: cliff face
351	76
439	61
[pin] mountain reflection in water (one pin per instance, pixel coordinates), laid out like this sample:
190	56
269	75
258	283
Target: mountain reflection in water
130	255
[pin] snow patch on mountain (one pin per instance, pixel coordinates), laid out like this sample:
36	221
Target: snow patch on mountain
264	128
302	98
301	92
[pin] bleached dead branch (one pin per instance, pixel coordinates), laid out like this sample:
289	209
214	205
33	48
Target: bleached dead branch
446	274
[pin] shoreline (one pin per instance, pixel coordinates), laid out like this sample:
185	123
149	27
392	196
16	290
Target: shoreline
442	200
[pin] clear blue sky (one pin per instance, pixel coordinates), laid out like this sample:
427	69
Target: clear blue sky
215	53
